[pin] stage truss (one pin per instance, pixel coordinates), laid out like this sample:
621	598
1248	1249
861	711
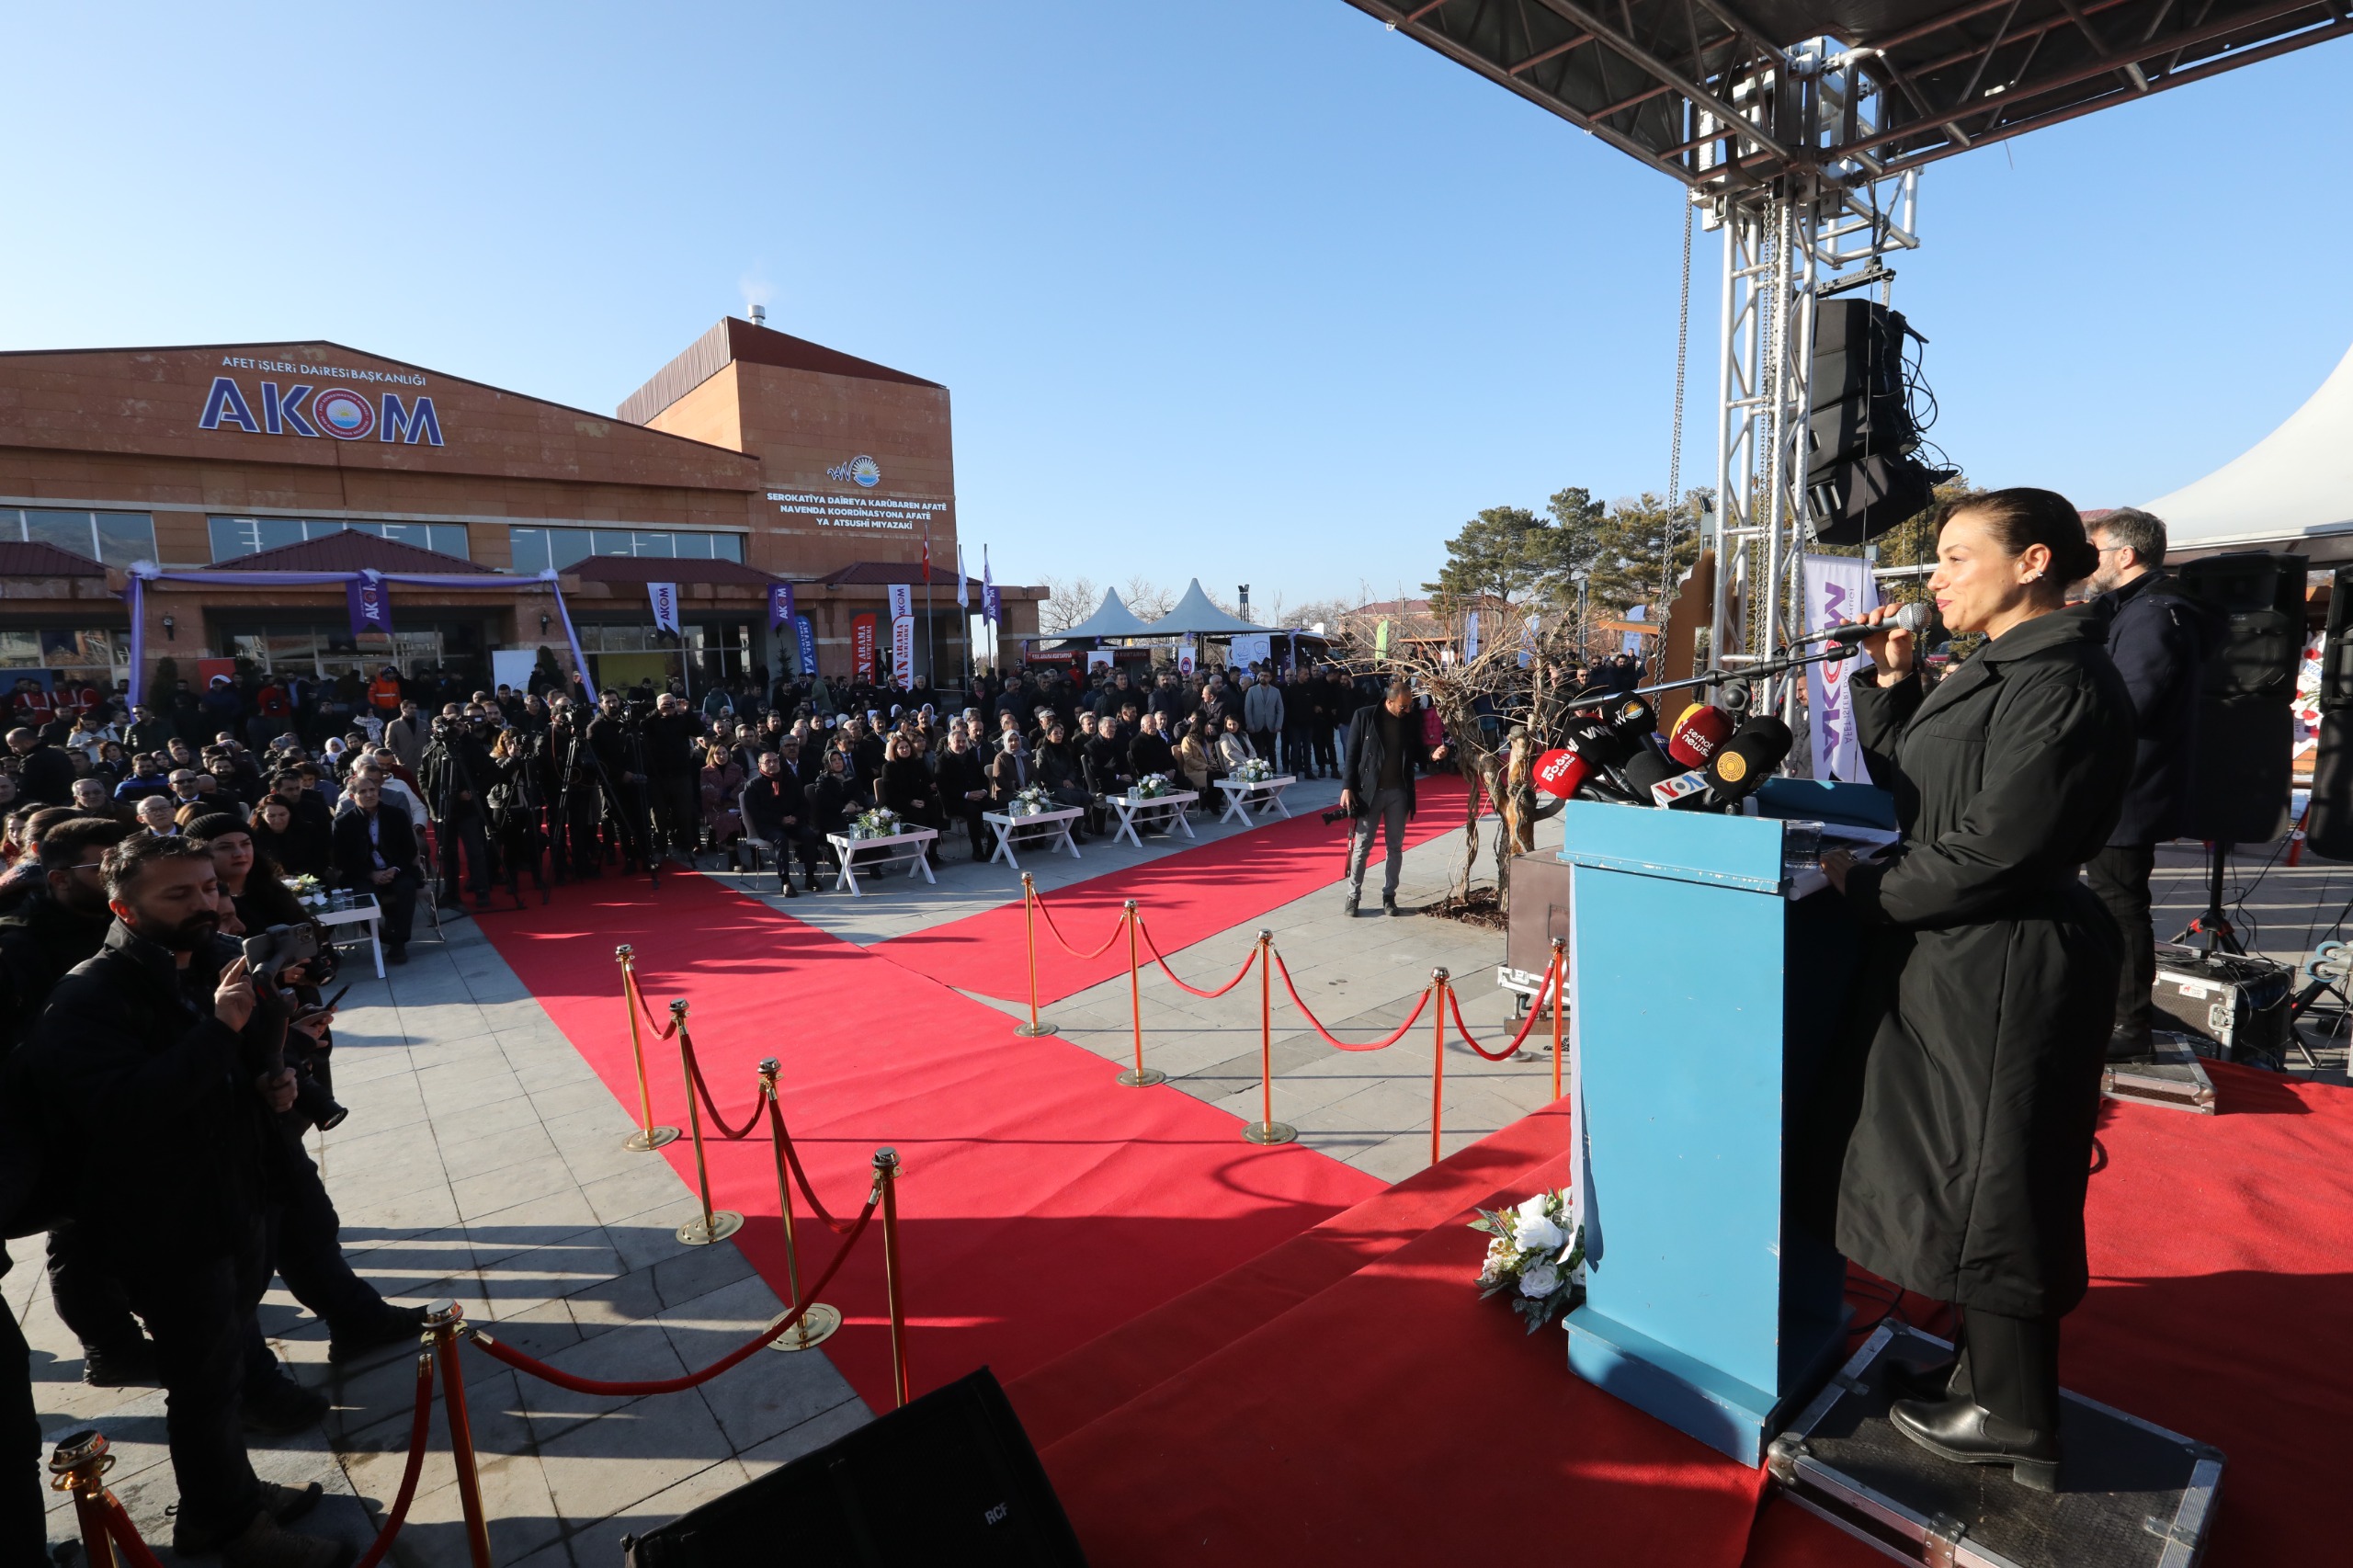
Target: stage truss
1805	152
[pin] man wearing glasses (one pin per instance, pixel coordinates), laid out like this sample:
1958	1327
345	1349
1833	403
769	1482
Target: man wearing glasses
2158	639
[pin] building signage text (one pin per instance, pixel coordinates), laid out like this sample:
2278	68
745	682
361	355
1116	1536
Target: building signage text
302	408
896	514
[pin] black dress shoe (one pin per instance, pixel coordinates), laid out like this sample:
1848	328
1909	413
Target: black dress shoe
1966	1432
2131	1045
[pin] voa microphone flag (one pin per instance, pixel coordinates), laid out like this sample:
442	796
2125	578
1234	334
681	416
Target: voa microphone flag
1837	588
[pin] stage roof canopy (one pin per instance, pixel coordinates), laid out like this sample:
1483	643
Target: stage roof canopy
1195	616
2293	490
1112	617
1643	75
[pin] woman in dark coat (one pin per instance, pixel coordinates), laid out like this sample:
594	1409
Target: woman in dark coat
1966	1085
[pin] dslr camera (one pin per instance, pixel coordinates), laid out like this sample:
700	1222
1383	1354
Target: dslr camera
1337	814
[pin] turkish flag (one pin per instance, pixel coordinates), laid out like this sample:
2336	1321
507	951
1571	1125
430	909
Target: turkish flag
926	558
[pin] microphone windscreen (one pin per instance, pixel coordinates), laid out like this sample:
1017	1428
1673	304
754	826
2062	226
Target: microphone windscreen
1560	773
1748	758
1648	767
1698	733
1630	718
1915	618
1593	740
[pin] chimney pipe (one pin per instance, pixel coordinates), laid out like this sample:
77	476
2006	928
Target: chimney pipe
759	315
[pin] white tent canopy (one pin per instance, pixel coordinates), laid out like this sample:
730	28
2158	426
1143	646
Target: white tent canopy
1195	616
1112	617
2289	490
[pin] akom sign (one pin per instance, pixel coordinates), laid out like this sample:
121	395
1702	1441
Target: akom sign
303	409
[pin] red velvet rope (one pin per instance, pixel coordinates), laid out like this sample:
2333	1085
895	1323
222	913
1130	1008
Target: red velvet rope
126	1534
800	1176
1329	1038
1552	983
1171	973
741	1353
662	1030
419	1429
1065	940
694	1070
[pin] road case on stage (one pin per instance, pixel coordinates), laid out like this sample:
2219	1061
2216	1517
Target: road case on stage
2238	1004
2131	1495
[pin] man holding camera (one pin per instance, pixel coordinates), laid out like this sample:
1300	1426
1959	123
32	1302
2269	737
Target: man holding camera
159	1072
1377	785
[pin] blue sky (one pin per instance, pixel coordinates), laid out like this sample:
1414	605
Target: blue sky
1251	289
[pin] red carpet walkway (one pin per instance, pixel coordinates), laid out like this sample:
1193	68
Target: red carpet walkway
1185	896
1042	1203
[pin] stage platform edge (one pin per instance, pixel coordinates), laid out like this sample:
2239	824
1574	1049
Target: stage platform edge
2131	1494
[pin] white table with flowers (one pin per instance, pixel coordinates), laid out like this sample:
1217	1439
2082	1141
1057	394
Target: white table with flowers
1254	784
1151	802
1034	819
889	832
328	909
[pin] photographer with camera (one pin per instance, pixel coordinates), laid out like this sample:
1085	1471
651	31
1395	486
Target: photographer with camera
158	1072
458	773
518	796
674	776
616	742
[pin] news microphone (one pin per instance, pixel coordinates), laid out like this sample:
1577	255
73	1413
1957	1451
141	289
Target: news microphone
1560	773
1696	735
1747	760
1630	718
1913	618
1598	745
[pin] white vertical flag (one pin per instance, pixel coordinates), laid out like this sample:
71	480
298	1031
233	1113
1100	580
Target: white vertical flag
666	607
1470	636
963	593
1837	588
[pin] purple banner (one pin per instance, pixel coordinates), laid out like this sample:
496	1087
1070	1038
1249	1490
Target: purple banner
780	607
370	605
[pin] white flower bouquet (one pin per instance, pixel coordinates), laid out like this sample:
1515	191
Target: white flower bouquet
1151	787
880	823
1538	1256
1030	802
1254	770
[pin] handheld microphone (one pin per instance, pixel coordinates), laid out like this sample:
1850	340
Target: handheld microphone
1696	735
1560	773
1913	618
1747	760
1630	718
1598	743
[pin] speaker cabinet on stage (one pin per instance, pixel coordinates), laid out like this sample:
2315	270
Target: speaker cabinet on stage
2328	822
949	1479
2245	732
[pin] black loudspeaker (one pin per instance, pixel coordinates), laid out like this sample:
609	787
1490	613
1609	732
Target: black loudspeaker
1862	500
950	1478
1860	406
2328	820
2337	648
2239	792
2259	599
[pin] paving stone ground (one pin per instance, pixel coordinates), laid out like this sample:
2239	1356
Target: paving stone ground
483	1162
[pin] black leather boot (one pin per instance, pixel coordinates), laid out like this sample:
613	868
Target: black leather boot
1928	1385
1966	1432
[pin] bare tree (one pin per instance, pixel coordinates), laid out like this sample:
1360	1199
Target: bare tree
1147	598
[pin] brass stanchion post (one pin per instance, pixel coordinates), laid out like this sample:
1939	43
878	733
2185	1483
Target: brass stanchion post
716	1225
1139	1076
441	1321
1267	1130
78	1464
1033	1029
1437	1063
1560	1004
886	1176
816	1325
647	1137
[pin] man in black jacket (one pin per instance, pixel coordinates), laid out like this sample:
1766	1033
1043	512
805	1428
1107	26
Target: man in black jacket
776	810
157	1072
46	773
375	852
457	778
2158	639
673	774
1377	785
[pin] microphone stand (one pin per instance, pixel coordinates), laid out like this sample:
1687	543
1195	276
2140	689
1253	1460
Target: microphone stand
1834	652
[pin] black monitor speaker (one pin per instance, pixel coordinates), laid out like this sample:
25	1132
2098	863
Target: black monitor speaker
2328	822
1861	500
2258	597
950	1478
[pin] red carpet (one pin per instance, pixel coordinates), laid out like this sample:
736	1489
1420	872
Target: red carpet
1185	897
1355	1402
1042	1203
2221	1254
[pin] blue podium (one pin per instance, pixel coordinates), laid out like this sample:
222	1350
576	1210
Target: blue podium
1707	985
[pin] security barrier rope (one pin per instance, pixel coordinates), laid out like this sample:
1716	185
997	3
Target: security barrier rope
800	1176
661	1030
774	1331
419	1428
1535	1010
727	1134
1057	930
126	1535
1329	1038
1180	986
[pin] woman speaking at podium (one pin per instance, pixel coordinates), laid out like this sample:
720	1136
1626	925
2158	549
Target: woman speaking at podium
1955	1116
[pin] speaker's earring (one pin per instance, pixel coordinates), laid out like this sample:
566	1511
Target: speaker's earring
2034	577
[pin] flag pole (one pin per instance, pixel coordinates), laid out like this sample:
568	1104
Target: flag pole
930	666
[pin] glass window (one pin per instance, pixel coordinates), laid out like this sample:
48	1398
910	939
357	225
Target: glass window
726	547
126	537
67	531
530	549
19	648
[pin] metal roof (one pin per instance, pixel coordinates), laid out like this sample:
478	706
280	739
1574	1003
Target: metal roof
735	339
1732	97
883	573
33	558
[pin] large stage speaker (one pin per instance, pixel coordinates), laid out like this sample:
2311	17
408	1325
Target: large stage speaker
1861	478
949	1479
2245	732
2328	822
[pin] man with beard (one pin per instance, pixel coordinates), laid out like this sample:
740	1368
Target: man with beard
158	1073
674	776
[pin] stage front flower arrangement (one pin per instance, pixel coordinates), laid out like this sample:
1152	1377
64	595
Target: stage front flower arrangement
1151	787
1254	770
1030	802
1537	1256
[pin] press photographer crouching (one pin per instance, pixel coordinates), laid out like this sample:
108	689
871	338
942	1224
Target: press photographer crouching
158	1078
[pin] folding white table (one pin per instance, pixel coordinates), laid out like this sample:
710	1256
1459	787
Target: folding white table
1056	823
1267	794
1151	810
912	846
369	911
